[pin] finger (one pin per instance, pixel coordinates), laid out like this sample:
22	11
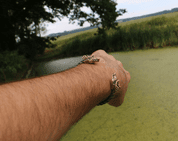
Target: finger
120	64
100	52
128	76
112	58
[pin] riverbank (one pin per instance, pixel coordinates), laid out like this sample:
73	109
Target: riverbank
38	69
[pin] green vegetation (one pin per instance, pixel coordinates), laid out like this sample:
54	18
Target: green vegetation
151	32
12	66
27	23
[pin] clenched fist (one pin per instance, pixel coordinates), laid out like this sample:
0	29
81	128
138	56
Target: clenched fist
112	66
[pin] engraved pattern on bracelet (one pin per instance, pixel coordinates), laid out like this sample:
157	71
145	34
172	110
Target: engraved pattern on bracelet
89	59
115	82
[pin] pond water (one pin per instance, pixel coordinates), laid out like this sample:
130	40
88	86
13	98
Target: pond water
50	67
150	109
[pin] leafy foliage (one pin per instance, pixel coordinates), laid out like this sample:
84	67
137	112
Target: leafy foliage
34	46
10	64
22	18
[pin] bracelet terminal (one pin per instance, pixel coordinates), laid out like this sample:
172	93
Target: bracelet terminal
92	60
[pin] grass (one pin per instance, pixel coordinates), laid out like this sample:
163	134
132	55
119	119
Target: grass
152	32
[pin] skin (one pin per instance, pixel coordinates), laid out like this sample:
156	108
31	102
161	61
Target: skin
114	66
44	108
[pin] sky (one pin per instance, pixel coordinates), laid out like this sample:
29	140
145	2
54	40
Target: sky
134	8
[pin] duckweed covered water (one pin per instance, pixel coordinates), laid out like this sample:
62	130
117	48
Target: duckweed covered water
150	109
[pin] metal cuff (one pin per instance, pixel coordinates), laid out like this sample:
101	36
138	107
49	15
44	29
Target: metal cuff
92	60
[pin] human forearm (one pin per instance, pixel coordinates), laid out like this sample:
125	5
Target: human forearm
28	110
38	108
87	85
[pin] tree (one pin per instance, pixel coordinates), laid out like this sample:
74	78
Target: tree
7	33
39	28
105	8
17	16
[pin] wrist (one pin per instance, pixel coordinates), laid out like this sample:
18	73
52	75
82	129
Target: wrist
106	76
114	84
101	79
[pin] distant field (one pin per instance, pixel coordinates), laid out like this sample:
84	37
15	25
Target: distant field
66	47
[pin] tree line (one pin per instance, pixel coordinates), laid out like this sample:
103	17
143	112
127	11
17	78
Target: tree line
22	21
